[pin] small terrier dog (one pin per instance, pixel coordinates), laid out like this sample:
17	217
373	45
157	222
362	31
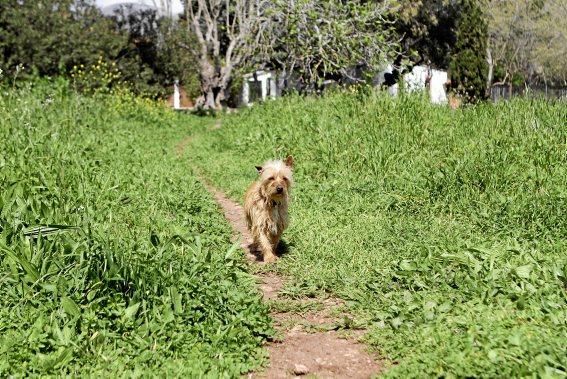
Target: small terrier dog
265	205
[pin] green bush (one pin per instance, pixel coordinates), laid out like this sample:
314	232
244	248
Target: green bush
157	53
59	37
47	38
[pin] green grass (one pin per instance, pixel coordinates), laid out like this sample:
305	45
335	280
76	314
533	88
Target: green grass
114	260
444	230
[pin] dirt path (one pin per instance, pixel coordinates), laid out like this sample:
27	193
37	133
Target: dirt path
315	336
310	342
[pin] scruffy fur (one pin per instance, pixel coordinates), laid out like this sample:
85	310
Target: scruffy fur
266	203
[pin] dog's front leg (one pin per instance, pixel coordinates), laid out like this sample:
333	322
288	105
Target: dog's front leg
267	248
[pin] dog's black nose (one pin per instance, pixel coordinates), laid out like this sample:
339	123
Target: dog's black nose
279	189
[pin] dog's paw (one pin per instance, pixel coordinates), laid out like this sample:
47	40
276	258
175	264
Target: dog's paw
269	258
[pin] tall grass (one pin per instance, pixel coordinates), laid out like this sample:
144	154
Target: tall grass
114	261
444	230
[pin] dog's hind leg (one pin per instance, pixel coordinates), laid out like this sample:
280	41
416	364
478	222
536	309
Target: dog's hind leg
267	248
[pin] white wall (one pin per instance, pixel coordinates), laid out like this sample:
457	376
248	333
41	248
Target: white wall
267	82
437	87
416	81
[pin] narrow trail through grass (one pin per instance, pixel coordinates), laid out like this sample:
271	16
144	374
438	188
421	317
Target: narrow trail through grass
312	338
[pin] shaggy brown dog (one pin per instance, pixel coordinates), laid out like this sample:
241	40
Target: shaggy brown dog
265	204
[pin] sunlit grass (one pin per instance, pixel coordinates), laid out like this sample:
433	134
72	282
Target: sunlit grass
114	260
444	230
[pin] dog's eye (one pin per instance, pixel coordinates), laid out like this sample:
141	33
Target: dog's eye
271	178
286	179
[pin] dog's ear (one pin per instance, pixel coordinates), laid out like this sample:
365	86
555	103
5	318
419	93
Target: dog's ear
259	169
289	161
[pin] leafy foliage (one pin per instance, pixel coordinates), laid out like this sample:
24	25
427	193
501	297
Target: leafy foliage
443	230
468	67
528	40
113	258
427	30
156	54
307	40
55	37
319	39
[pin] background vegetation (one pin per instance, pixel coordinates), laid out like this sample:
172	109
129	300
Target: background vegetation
444	230
525	38
528	40
58	37
468	66
480	42
113	258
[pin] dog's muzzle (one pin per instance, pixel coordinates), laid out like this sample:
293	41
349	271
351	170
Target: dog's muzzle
279	189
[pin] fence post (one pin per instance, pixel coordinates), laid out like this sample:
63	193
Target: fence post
176	96
264	86
245	91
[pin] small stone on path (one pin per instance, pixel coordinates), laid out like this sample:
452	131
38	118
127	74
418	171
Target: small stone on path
299	369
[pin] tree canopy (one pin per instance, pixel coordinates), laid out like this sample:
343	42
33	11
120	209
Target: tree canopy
528	40
60	37
311	38
479	41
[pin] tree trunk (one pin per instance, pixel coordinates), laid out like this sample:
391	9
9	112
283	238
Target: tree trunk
209	84
212	96
214	83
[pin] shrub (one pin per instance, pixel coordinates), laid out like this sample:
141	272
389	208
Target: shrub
68	36
49	37
468	66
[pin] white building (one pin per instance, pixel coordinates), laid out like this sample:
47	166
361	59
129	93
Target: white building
437	82
259	85
420	78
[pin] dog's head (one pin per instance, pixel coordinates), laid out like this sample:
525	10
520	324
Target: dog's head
276	178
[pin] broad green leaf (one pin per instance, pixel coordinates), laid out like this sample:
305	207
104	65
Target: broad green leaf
29	267
45	230
70	307
176	300
131	311
408	265
230	252
524	271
